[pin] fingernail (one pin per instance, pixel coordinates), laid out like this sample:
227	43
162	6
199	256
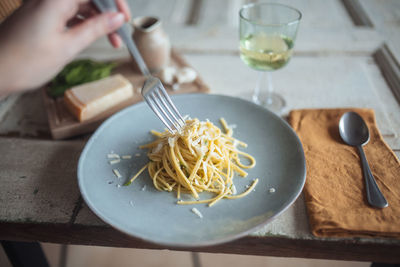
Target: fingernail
116	20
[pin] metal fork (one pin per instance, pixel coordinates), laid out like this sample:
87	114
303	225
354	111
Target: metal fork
153	90
159	101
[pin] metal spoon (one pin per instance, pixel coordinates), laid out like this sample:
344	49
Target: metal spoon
354	132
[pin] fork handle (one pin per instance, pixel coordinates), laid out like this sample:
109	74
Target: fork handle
123	32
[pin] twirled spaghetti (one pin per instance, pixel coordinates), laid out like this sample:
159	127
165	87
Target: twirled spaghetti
200	158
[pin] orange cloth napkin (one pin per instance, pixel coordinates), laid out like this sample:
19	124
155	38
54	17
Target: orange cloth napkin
335	189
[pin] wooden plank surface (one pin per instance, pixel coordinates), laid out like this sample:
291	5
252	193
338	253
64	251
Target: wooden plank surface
385	17
26	118
390	69
332	67
384	95
171	11
312	42
225	12
209	13
310	81
6	103
357	13
315	12
38	181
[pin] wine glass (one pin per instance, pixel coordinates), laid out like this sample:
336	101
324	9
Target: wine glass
267	35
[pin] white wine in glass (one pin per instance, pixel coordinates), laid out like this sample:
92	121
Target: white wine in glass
267	35
266	52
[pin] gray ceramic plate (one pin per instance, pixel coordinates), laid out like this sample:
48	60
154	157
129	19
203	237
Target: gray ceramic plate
141	211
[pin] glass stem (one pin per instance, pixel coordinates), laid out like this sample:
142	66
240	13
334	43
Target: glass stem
263	88
258	88
270	87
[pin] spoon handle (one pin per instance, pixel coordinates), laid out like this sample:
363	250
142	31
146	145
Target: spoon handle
374	195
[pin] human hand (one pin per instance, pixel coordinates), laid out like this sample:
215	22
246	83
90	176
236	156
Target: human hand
44	35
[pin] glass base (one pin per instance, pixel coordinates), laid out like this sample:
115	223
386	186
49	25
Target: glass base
273	102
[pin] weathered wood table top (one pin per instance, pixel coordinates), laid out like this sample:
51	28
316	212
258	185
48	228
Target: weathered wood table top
336	64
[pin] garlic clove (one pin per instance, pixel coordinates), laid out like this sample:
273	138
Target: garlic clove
186	75
167	75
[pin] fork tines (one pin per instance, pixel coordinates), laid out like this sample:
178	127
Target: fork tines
159	101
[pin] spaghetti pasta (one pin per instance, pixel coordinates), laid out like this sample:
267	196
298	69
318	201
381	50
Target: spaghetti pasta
200	158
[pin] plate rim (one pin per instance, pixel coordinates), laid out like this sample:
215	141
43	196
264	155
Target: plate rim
228	238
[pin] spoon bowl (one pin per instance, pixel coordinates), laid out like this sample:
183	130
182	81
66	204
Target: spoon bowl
354	132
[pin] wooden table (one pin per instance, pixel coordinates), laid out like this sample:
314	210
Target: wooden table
336	64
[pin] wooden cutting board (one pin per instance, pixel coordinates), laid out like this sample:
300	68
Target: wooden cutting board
64	125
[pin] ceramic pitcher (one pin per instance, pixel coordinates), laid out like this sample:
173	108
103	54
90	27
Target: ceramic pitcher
152	42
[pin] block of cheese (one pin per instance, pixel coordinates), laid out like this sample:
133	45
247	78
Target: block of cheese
90	99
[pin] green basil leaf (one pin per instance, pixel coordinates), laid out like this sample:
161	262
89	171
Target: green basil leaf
79	72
